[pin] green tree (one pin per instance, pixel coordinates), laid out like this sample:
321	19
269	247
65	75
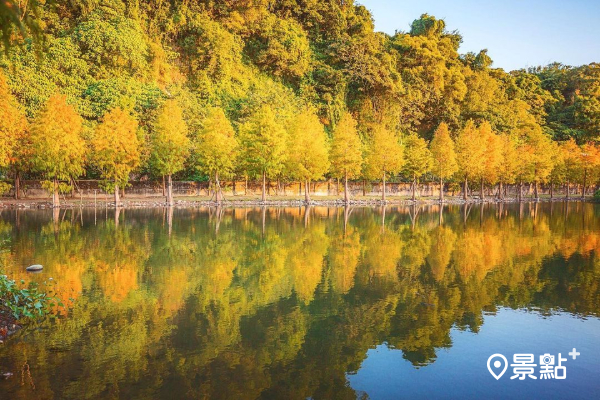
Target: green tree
346	153
281	46
170	145
216	148
444	156
418	160
58	148
432	73
116	149
264	143
308	149
14	17
385	155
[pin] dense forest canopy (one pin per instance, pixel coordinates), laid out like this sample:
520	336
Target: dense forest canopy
292	57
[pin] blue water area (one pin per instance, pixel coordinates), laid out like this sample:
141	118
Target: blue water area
460	372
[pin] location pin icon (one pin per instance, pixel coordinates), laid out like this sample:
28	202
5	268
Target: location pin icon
495	367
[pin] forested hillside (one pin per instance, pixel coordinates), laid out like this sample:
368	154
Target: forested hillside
255	81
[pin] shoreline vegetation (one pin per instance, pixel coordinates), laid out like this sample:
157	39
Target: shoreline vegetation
276	201
117	91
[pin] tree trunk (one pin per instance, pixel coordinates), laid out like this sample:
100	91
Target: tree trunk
584	183
117	199
414	188
441	190
55	196
482	187
364	188
465	188
264	187
568	187
163	186
530	191
346	196
383	188
520	189
218	193
551	189
500	196
307	191
169	191
17	184
536	190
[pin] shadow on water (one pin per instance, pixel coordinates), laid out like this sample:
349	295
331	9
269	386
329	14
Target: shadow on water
278	302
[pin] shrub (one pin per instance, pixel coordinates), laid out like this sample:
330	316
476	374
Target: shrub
22	302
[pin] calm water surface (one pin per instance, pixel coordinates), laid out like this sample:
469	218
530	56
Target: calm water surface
295	303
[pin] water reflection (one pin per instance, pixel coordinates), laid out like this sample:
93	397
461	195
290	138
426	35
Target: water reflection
278	302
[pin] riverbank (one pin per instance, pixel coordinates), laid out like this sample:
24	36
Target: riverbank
272	201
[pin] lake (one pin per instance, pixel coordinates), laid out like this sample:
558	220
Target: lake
296	303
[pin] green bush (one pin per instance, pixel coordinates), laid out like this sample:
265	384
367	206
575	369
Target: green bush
597	195
24	302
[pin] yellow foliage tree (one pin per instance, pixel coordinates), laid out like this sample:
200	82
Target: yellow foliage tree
170	144
264	145
346	153
308	149
571	159
58	149
525	152
444	155
384	155
470	150
216	148
590	165
417	160
11	122
492	155
558	167
116	149
13	128
539	162
509	162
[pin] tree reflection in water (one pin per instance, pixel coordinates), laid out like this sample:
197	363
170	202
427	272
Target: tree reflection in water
278	302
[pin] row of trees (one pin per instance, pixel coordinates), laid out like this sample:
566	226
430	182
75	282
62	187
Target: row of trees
55	145
290	67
